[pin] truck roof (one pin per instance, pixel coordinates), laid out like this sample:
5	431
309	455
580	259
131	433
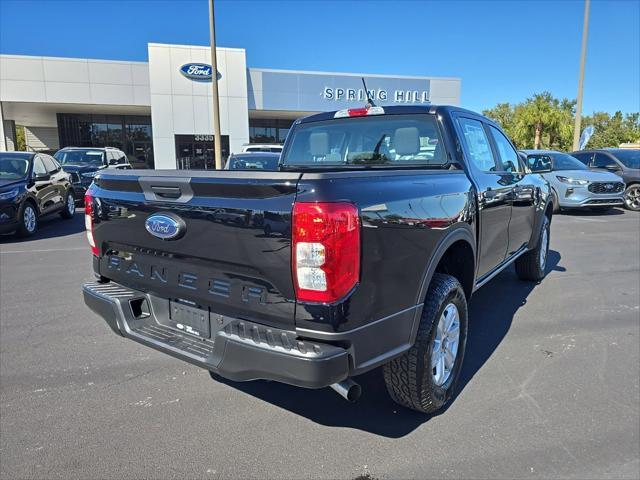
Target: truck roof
393	110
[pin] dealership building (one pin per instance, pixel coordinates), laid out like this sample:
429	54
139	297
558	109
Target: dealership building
160	112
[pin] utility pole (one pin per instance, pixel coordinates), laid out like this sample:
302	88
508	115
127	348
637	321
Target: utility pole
585	33
217	149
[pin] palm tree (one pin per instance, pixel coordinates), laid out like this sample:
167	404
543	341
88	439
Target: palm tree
536	114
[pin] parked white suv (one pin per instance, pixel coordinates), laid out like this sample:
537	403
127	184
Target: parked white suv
261	147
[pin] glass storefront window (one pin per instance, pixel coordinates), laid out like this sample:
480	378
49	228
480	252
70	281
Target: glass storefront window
264	130
130	133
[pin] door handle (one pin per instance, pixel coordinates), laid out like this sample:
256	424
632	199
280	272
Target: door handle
166	192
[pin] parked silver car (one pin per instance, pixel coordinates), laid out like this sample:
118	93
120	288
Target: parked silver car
573	185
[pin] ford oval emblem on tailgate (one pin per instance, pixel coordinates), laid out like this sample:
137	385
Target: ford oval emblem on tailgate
165	226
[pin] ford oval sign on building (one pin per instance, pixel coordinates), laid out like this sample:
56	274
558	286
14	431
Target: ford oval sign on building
197	71
165	226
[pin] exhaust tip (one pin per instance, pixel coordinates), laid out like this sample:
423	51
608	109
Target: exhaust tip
348	389
354	393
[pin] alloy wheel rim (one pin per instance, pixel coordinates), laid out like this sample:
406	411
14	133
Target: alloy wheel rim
633	198
29	218
71	204
544	248
445	345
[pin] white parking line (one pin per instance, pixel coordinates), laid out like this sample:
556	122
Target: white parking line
43	250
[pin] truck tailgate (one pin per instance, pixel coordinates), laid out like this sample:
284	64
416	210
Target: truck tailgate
233	253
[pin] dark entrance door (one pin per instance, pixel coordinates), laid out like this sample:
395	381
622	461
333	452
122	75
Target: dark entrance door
195	152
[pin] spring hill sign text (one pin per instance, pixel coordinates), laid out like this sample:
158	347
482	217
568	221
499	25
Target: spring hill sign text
352	94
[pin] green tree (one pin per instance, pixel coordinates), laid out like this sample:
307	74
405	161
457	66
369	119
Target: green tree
21	143
612	130
535	116
544	121
502	114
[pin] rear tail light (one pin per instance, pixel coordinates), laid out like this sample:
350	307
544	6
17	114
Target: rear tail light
88	223
325	250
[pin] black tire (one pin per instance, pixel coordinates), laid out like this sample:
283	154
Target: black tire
69	209
409	378
531	266
632	197
555	202
27	229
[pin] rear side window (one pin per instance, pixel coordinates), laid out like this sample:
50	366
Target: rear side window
385	140
478	145
603	161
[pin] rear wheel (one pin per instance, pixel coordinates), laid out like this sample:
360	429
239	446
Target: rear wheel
533	264
28	217
69	206
424	377
632	197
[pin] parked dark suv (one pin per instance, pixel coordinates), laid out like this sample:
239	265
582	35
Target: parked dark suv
621	161
83	163
32	185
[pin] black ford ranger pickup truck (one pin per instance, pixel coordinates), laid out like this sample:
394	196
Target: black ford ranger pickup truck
361	250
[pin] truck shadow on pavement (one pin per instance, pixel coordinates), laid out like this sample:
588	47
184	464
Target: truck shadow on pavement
375	412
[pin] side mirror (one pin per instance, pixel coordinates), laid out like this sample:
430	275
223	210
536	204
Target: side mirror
41	176
612	168
113	161
509	166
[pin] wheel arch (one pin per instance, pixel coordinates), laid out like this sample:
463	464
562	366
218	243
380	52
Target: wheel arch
459	238
32	200
455	255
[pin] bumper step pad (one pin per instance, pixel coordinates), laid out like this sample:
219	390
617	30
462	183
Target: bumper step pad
238	349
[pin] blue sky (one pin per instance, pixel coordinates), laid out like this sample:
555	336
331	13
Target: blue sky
502	50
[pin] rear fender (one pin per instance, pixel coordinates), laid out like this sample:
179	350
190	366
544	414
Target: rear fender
545	206
464	233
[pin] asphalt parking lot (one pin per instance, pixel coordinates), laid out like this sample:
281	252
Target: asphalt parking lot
550	383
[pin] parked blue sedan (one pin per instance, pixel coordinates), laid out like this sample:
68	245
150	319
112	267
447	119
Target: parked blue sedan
573	185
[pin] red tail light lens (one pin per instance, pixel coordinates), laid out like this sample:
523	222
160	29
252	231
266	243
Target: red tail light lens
357	112
88	223
326	250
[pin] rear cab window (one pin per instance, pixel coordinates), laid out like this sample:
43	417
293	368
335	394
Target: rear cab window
368	141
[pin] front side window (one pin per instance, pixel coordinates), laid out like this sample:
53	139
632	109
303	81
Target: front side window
49	164
603	161
506	153
539	163
38	166
381	140
477	145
